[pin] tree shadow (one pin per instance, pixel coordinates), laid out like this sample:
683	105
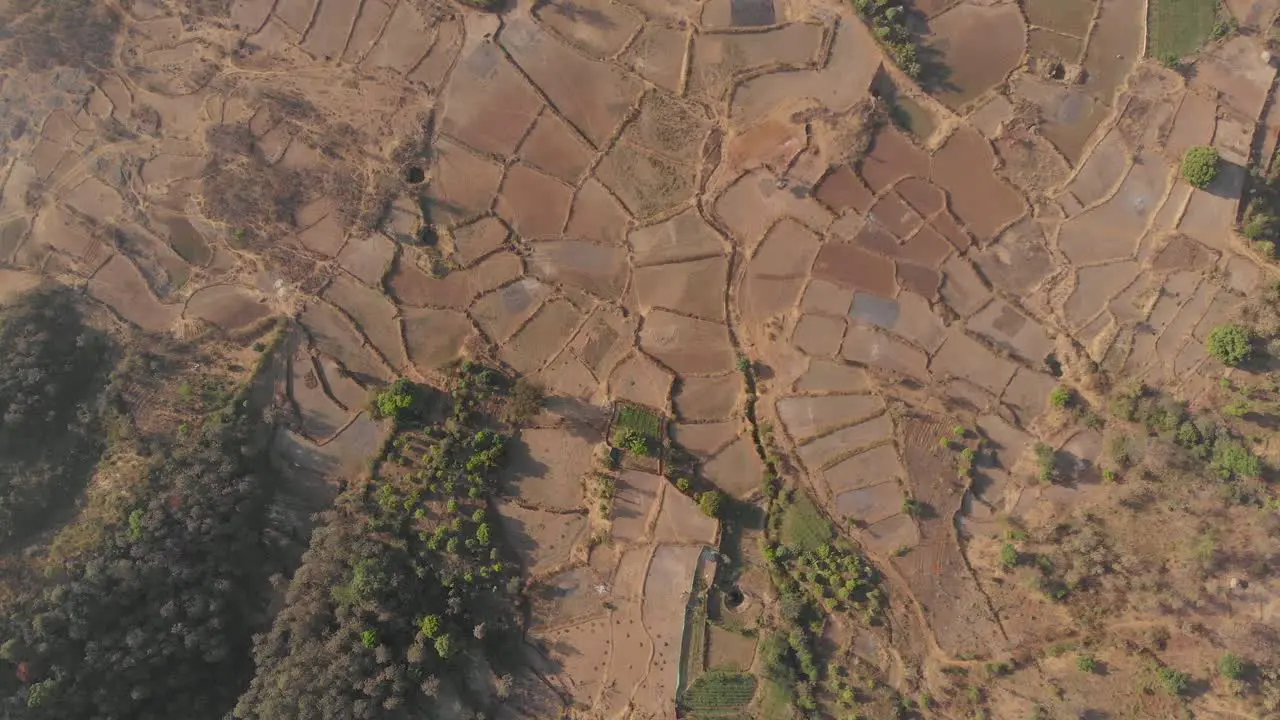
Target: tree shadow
520	466
1229	182
578	14
935	74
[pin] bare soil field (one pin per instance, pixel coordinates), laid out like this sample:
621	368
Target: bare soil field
923	301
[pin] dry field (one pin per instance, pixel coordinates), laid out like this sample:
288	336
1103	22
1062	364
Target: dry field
740	215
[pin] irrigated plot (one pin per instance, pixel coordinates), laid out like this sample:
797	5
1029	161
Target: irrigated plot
694	288
806	417
542	337
599	269
870	467
434	338
963	357
978	198
687	345
876	350
826	449
548	466
604	339
708	398
979	45
230	307
737	469
593	96
633	503
683	237
1008	328
543	540
640	379
825	376
372	313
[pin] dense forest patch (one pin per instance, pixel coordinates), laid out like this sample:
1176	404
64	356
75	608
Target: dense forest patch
154	621
50	372
405	601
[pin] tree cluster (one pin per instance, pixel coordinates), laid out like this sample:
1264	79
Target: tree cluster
50	374
888	20
155	621
404	593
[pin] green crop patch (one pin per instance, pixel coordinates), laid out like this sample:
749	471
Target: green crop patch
803	527
720	690
631	418
1180	27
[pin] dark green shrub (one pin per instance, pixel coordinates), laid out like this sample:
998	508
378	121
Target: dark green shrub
711	502
1174	682
1200	166
1231	666
1061	397
1230	344
1046	463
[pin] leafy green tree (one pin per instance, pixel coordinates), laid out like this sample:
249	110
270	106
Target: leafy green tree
636	443
444	647
524	402
1231	666
1086	663
1009	556
1061	397
401	400
430	626
712	503
1230	344
1174	682
1200	166
1232	460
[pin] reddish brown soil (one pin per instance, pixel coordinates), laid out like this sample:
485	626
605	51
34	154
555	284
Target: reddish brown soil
855	268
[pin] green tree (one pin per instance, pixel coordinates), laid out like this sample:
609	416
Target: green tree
1009	556
1046	462
1200	166
711	502
1174	682
398	401
430	626
1231	666
1086	663
444	647
524	402
635	442
1230	344
1231	460
1061	397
